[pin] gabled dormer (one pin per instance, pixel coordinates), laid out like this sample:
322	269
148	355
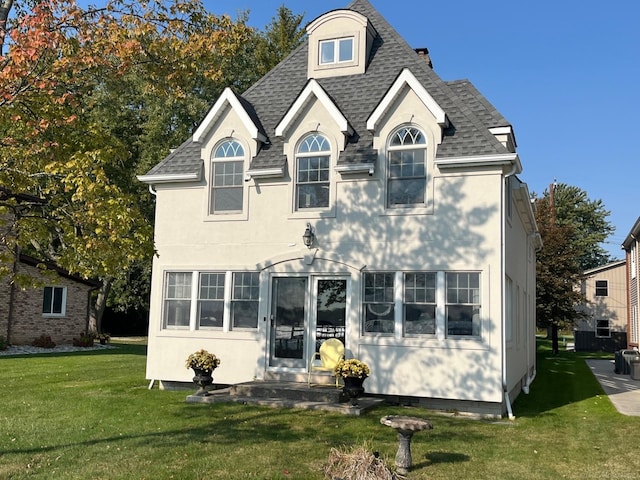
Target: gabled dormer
339	44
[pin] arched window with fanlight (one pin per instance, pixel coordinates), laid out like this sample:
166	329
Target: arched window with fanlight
406	168
227	164
313	158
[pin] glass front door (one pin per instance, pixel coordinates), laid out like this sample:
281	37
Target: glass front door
331	309
288	322
305	311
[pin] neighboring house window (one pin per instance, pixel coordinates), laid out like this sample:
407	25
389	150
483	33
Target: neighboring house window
378	305
406	169
633	260
603	329
635	331
337	50
211	300
54	301
602	288
244	302
226	178
312	173
420	303
177	299
463	304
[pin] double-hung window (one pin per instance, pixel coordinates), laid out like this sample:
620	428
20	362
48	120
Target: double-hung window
313	158
406	168
602	288
54	301
177	299
603	329
379	302
336	50
211	300
244	302
462	304
226	178
420	303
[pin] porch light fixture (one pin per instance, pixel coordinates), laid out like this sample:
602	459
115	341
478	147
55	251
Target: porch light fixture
308	236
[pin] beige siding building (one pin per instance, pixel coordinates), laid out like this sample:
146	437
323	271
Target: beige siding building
605	326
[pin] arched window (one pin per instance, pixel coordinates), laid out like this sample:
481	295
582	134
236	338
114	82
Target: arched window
226	178
406	168
312	172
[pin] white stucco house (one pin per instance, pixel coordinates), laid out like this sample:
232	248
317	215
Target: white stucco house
419	240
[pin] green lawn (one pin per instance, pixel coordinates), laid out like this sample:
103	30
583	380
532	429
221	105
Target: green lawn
89	415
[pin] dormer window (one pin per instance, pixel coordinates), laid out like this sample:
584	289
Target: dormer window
338	50
340	44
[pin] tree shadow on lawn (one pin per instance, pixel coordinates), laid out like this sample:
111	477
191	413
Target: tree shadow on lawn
231	424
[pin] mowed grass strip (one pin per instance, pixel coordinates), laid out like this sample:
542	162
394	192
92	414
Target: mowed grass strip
89	415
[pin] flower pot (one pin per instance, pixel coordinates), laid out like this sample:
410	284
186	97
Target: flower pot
203	379
353	388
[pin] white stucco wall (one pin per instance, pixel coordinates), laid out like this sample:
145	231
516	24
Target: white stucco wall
460	229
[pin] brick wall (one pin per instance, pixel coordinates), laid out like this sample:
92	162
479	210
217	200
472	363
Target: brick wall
28	321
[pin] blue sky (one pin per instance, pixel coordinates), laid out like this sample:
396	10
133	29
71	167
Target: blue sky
566	74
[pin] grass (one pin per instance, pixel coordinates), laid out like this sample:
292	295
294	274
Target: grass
89	415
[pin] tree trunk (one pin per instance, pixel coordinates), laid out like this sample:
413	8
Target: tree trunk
97	309
5	8
554	339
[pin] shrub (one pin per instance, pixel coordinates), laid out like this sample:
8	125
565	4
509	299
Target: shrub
43	341
3	343
85	340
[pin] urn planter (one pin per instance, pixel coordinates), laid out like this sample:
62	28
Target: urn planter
203	378
353	388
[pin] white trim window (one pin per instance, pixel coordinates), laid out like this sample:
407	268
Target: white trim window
177	300
211	300
462	304
406	168
336	50
633	254
227	165
602	288
419	303
603	329
379	303
313	159
54	301
244	300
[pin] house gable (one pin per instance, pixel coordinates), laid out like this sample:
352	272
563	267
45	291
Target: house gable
230	98
408	80
313	90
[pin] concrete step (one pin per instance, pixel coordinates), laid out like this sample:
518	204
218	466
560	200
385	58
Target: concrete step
299	392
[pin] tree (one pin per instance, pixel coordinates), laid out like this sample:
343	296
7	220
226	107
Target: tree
278	39
64	68
588	218
571	227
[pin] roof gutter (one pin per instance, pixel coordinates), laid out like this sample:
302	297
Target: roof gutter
175	178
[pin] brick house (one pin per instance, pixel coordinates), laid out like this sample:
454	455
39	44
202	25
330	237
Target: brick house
54	303
59	307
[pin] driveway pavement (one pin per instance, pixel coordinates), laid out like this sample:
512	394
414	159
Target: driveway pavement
621	389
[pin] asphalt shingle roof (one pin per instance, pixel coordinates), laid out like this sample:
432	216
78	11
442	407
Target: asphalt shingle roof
267	101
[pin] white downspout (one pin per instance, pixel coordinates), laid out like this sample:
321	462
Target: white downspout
530	378
503	262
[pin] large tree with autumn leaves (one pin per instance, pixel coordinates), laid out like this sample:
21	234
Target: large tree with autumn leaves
89	97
